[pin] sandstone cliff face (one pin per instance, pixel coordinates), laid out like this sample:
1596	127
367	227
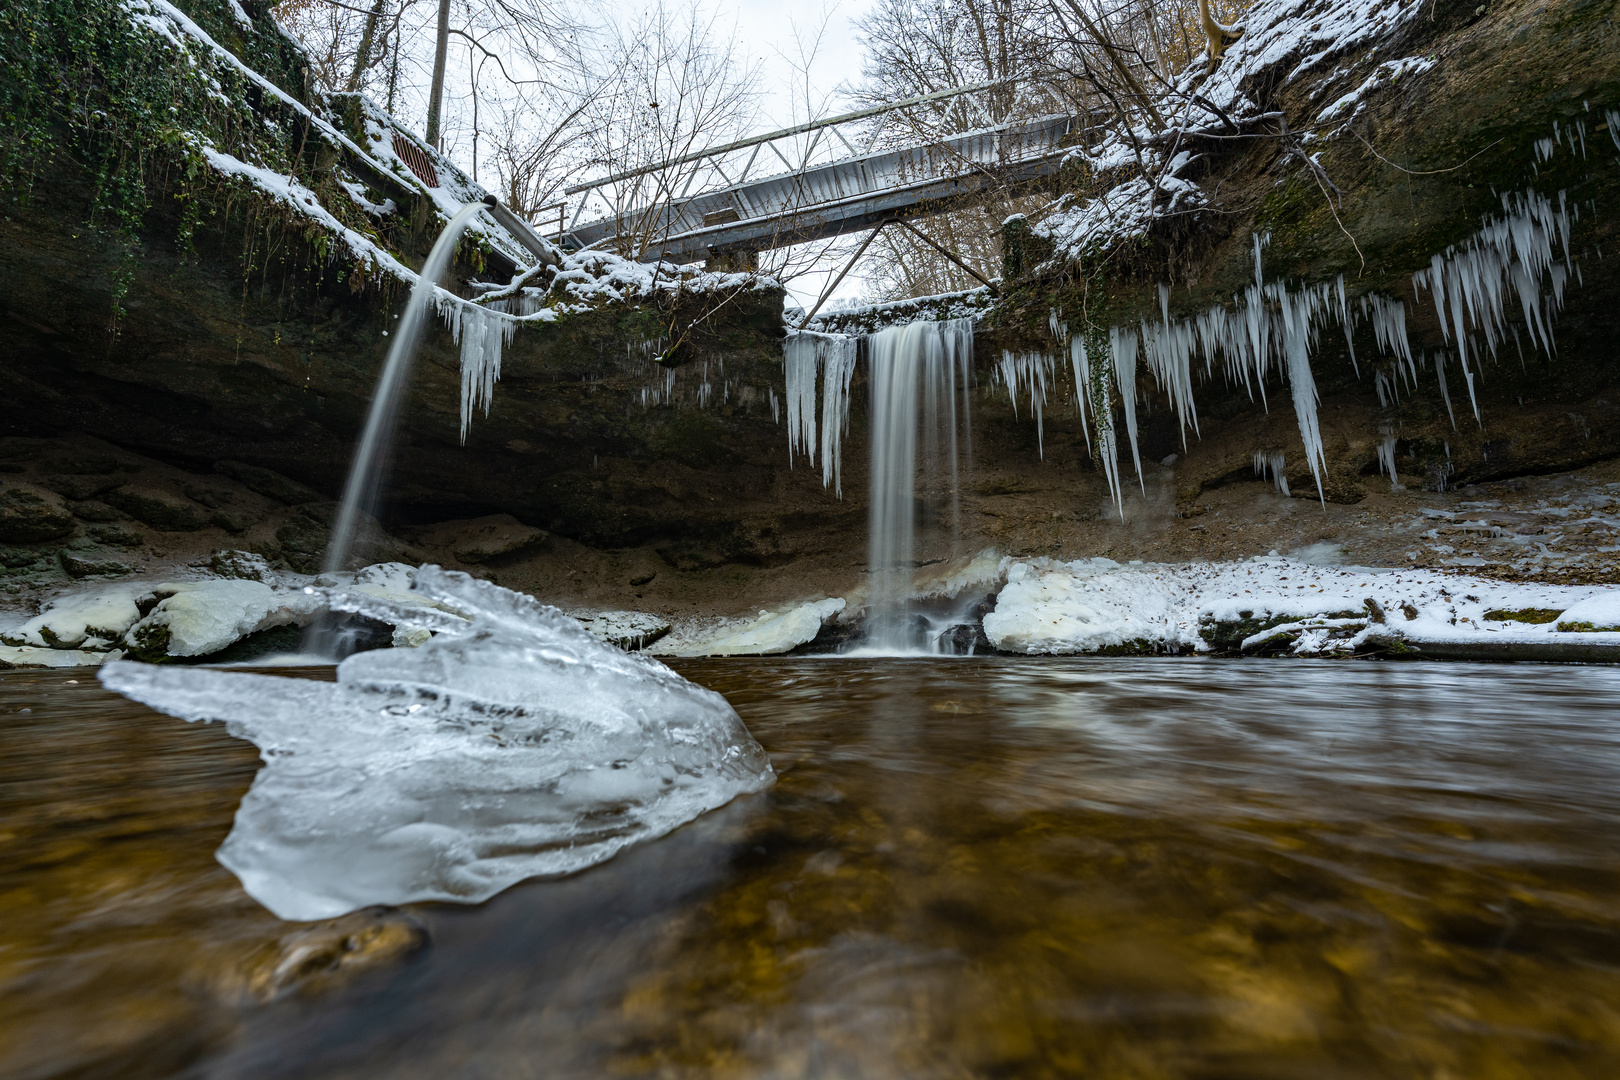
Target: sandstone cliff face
1379	157
219	328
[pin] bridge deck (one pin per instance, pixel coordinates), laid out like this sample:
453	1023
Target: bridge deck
840	197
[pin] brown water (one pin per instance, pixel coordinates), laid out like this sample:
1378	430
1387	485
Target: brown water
971	868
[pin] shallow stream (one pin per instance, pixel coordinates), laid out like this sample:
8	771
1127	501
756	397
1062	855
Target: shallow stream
969	868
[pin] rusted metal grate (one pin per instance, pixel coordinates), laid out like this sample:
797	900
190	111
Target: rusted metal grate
416	160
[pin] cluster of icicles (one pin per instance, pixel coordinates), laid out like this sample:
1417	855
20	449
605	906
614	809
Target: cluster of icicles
1524	253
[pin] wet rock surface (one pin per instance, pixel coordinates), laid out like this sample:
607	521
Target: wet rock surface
29	514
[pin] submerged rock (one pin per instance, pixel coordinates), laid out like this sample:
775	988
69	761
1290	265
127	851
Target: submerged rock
319	958
519	746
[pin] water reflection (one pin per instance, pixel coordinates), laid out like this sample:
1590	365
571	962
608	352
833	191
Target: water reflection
1118	868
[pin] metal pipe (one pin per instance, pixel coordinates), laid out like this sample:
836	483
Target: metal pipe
521	232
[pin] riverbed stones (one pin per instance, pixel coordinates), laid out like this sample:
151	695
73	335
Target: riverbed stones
241	565
119	536
323	956
29	514
302	541
95	510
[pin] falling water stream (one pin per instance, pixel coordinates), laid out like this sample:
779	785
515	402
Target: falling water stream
370	465
917	372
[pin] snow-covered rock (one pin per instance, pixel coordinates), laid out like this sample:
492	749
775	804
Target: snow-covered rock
979	573
770	634
68	622
626	629
201	617
1049	607
1599	613
521	746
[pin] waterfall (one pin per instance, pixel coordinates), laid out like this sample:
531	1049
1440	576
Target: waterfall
371	457
916	371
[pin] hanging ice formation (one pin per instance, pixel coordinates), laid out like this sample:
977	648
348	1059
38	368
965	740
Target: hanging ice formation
1272	327
482	331
1386	458
834	355
1274	465
1469	282
1032	371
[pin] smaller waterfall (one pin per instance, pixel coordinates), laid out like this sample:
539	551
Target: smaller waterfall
919	372
371	457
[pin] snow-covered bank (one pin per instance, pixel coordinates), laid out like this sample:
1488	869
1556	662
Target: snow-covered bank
1274	605
201	617
518	746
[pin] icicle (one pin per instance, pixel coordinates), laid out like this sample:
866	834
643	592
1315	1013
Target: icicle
1122	346
837	370
1273	464
1349	324
1445	393
1386	459
802	354
1513	252
1082	382
1034	369
482	332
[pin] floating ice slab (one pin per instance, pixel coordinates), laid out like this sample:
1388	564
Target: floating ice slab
513	746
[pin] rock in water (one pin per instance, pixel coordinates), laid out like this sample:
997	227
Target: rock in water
519	746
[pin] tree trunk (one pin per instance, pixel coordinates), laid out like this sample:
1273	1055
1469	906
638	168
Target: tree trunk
436	94
362	59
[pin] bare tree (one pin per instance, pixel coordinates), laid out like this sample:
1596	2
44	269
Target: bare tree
677	84
916	47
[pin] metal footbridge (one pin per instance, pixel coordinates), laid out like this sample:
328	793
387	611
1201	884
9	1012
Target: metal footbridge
813	198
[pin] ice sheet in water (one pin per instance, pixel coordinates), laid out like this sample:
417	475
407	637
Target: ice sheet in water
516	747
